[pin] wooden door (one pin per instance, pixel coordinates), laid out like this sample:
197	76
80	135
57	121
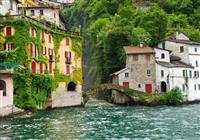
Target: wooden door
126	84
148	88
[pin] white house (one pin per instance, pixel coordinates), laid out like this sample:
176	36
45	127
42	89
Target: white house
8	7
121	77
189	52
171	72
42	10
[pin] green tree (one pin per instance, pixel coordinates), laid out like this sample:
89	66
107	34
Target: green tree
154	21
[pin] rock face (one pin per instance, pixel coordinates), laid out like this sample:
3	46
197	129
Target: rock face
63	98
121	99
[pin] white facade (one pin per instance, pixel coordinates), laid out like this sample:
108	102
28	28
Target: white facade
8	7
48	13
189	52
121	77
6	88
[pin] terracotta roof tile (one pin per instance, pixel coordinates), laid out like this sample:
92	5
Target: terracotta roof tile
138	50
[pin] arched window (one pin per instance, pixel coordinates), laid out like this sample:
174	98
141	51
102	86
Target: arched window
163	56
3	87
71	86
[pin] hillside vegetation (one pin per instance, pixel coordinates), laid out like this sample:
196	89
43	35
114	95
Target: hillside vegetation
107	25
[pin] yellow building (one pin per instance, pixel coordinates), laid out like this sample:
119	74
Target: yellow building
46	52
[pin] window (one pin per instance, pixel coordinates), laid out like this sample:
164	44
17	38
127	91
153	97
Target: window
139	85
32	12
185	73
195	49
162	73
50	39
147	57
199	86
50	67
126	75
33	32
44	50
3	87
196	74
33	67
181	49
183	87
43	36
50	52
11	4
190	74
163	56
41	68
8	31
41	12
33	50
196	63
148	72
8	46
195	87
135	57
163	45
68	57
68	69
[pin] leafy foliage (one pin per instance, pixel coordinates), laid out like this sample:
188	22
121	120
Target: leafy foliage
107	26
31	91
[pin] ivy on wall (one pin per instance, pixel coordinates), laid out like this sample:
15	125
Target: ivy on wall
31	91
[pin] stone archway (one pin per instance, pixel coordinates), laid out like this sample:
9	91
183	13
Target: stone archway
3	87
163	87
71	86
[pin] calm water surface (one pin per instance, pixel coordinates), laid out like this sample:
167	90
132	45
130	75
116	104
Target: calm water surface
101	121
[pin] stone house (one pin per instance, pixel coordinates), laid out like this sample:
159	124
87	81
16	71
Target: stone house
156	70
141	62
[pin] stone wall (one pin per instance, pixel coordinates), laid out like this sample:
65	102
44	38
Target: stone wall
120	99
138	71
63	98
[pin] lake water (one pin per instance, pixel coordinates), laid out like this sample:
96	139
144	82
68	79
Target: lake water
101	121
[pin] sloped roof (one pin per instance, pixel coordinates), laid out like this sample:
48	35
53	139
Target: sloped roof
138	50
118	72
181	38
174	64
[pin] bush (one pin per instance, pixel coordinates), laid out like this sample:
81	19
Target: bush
128	91
175	96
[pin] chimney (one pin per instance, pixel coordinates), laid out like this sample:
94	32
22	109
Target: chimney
141	45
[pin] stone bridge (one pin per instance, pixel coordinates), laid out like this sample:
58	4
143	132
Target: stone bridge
94	90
